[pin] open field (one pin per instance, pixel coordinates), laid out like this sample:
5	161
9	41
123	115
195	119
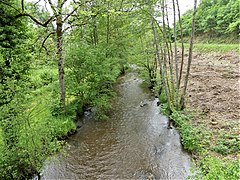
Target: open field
213	94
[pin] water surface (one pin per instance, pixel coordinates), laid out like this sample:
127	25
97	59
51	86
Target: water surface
134	143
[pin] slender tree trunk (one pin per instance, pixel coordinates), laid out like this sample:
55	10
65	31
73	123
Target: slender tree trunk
164	57
95	35
170	57
189	56
59	33
175	53
175	41
182	47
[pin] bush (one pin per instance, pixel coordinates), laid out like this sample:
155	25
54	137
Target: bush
213	168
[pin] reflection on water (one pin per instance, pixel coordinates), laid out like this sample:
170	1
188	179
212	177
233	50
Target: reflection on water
135	143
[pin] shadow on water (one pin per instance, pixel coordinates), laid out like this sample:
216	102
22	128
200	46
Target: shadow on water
135	143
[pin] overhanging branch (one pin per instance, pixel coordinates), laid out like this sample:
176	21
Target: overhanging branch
64	1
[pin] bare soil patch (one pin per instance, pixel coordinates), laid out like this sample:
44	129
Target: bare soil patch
214	93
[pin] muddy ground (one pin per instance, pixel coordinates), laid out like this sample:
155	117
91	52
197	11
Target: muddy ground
214	93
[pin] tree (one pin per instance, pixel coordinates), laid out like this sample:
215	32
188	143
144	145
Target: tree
60	18
189	56
14	66
215	19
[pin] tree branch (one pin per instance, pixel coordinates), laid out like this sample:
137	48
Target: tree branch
22	5
34	19
52	7
74	25
36	2
75	9
70	14
64	1
43	43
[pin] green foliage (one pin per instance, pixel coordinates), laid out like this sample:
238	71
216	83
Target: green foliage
218	18
198	140
37	136
41	76
214	168
28	130
163	98
190	136
14	66
47	77
91	75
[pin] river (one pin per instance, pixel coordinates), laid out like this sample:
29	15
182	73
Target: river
134	143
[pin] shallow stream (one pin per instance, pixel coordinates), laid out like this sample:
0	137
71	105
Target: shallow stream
133	144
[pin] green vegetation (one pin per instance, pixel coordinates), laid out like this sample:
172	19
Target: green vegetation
214	168
216	21
220	48
32	121
227	144
54	66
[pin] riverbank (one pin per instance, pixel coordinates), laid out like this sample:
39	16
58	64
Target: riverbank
209	126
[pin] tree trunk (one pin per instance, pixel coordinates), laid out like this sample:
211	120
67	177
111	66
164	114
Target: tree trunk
175	41
189	57
60	60
182	47
166	31
175	53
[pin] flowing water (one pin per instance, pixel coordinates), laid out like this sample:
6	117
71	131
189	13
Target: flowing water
133	144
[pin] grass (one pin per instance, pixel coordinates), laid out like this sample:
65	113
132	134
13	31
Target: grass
219	48
41	105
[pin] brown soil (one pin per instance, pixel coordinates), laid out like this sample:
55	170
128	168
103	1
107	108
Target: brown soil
213	91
